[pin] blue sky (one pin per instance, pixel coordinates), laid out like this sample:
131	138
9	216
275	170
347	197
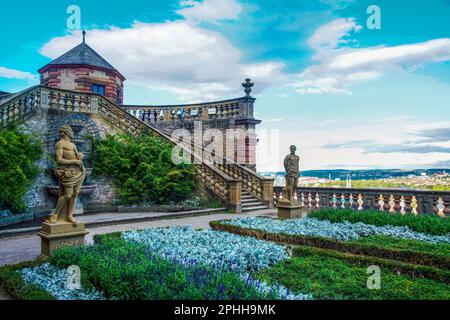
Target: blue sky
347	96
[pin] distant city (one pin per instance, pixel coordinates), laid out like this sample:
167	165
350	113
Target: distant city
434	179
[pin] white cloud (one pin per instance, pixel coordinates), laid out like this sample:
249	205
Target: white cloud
192	62
15	74
332	34
386	57
339	66
212	11
345	146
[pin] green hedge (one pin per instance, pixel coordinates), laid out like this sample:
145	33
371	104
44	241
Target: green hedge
18	155
142	170
375	249
14	285
438	249
328	277
429	224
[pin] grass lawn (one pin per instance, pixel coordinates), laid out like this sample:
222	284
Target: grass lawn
332	278
437	249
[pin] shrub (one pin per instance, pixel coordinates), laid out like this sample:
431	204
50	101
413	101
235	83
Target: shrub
142	170
18	155
429	224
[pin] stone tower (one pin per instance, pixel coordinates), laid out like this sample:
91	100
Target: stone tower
84	70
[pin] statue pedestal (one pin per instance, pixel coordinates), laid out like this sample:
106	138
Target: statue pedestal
60	234
290	210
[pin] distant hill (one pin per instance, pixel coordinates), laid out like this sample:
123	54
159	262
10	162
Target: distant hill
363	174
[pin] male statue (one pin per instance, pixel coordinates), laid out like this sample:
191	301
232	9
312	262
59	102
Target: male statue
71	174
291	165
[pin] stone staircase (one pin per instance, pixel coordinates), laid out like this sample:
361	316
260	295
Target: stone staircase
225	181
251	203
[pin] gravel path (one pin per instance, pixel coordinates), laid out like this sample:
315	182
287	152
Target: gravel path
27	247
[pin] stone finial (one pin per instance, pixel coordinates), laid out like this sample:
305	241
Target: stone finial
248	87
84	36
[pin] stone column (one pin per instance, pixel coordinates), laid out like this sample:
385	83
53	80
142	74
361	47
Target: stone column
268	192
235	204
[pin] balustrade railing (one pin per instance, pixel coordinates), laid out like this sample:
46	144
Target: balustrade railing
155	115
258	186
19	106
388	200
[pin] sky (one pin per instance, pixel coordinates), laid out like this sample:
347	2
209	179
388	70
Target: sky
346	94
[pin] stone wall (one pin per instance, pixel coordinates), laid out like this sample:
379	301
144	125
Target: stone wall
46	124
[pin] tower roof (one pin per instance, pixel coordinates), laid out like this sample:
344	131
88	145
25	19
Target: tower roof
82	55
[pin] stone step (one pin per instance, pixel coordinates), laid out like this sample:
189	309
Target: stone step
250	200
252	203
253	208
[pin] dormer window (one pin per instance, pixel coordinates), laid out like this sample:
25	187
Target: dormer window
96	88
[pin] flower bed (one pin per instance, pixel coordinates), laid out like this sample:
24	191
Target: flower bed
13	283
54	282
221	249
339	231
129	270
428	224
331	277
376	246
163	263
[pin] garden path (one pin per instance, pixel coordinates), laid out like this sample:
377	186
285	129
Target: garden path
27	247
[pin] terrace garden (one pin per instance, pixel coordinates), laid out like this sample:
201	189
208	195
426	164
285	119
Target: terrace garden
323	256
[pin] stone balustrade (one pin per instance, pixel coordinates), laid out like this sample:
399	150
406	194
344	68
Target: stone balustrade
258	186
155	115
17	107
388	200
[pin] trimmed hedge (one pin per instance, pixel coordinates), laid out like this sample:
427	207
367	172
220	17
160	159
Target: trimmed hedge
439	249
429	224
409	256
414	271
14	285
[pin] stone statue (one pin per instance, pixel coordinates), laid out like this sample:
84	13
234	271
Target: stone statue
71	174
291	165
